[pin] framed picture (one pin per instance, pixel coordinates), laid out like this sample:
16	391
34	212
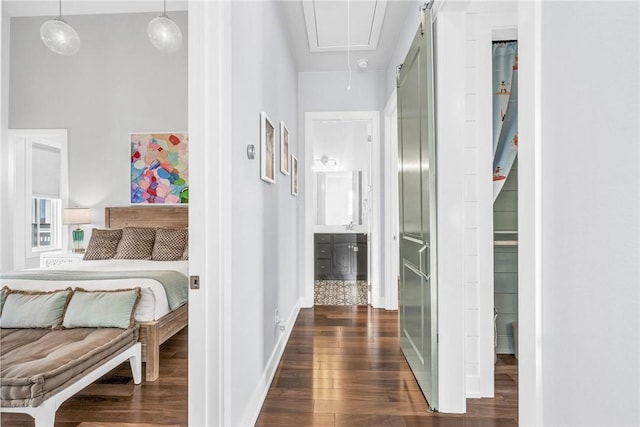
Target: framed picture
159	168
294	175
284	149
267	149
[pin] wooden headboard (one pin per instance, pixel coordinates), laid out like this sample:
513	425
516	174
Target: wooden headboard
146	216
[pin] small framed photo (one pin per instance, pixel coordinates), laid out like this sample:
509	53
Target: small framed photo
284	149
294	175
267	149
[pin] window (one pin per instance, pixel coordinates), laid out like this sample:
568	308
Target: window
39	190
45	214
45	196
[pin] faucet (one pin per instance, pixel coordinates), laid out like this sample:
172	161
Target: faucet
350	226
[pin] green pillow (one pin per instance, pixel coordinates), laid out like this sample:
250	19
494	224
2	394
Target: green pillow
3	295
102	309
28	309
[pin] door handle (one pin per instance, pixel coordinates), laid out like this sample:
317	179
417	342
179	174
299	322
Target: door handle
421	252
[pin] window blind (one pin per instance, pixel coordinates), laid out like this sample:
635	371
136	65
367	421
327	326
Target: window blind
45	171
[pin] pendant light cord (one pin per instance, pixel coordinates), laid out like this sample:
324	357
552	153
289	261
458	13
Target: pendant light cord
349	41
165	9
60	9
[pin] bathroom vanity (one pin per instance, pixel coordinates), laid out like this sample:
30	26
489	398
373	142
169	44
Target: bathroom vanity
340	256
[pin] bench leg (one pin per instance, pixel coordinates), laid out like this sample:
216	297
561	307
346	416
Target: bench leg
136	364
45	414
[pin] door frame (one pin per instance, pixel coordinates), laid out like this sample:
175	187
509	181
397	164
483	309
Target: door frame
374	240
392	259
210	218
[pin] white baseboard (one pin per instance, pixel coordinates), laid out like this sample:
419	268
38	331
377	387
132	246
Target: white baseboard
254	406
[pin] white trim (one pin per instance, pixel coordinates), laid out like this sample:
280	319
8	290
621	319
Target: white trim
376	194
255	402
376	260
530	215
210	211
450	107
20	188
45	413
392	253
491	25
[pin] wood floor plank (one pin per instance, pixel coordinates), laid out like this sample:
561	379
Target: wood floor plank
347	362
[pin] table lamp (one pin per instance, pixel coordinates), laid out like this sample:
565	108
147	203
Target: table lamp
76	216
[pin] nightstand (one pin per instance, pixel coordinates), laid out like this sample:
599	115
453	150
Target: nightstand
49	259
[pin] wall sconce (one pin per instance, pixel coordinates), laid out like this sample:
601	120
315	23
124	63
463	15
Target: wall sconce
324	163
76	216
251	151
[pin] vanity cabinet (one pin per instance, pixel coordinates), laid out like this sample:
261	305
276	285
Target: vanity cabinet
341	256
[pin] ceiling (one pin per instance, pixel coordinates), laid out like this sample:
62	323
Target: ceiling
329	25
374	25
87	7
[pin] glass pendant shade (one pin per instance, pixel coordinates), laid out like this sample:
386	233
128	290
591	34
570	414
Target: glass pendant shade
165	35
60	37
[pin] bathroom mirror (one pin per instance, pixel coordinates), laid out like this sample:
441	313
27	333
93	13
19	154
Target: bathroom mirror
340	197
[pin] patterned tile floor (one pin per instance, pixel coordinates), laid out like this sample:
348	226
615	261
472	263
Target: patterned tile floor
341	292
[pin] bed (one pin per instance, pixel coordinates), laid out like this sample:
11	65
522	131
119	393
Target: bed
159	317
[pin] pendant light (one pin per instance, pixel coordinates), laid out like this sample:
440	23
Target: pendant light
59	36
164	34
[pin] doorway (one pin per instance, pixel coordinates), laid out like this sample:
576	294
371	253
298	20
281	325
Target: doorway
342	232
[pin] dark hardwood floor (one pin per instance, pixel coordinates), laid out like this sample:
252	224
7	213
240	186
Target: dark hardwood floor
343	367
115	400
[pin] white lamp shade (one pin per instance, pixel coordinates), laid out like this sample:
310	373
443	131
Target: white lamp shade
164	34
76	216
60	37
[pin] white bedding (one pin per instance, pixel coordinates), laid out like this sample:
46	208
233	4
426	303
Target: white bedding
153	303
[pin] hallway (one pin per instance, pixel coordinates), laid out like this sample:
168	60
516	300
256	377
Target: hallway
343	367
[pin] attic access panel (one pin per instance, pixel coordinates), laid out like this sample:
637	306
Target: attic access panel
326	23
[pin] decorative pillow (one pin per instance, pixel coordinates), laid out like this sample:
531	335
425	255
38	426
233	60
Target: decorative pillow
185	254
169	244
102	309
28	309
3	295
103	244
136	243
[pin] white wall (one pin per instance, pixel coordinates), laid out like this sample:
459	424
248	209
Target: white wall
264	216
117	83
412	21
6	254
590	213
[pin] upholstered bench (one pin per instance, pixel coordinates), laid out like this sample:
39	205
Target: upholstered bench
54	344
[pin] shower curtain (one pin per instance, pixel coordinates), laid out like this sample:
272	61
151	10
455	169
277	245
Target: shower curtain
505	111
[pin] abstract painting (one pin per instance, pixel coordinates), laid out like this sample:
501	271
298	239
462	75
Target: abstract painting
159	168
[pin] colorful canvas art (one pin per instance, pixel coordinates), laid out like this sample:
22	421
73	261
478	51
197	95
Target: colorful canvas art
159	168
